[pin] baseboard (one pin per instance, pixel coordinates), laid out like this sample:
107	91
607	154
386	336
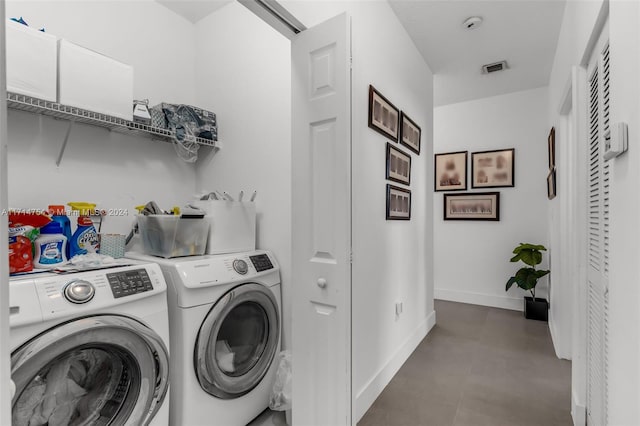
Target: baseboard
578	412
557	346
374	387
504	302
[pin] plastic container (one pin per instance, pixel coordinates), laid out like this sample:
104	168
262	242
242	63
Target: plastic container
173	236
50	247
58	214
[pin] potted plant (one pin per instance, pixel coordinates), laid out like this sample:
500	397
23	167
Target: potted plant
527	278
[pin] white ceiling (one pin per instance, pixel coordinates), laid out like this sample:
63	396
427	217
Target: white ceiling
194	10
522	32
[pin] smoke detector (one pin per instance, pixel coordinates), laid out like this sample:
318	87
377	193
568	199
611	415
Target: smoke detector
472	22
494	67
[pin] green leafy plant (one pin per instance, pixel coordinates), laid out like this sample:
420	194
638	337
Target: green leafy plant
527	278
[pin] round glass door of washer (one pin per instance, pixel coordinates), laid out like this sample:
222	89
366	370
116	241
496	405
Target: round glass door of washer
101	370
238	341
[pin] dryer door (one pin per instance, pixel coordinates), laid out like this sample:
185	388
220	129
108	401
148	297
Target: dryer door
99	370
238	341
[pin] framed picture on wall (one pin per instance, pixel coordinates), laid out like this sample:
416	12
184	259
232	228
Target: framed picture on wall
398	165
492	169
383	116
551	184
409	133
450	171
472	206
398	203
551	142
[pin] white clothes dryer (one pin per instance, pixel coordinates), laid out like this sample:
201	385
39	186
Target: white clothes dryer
225	322
90	348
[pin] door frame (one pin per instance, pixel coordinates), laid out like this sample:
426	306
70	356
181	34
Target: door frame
5	360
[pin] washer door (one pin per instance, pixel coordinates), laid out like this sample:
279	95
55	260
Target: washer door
100	370
237	341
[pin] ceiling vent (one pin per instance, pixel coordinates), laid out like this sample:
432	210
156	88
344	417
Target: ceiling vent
494	67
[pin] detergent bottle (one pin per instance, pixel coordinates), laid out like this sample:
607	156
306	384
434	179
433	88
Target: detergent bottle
50	246
85	239
58	214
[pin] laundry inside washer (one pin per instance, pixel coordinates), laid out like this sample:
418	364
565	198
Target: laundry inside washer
92	349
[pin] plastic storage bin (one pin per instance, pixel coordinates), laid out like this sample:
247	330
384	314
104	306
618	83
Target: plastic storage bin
173	236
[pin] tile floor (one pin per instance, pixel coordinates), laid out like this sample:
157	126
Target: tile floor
479	366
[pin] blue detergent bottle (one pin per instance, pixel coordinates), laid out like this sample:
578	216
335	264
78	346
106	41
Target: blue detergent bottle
50	246
58	214
85	239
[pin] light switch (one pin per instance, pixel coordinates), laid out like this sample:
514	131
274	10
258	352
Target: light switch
616	140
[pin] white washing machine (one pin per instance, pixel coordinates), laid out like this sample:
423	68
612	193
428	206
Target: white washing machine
90	348
225	322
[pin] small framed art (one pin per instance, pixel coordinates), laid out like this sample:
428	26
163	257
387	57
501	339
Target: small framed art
450	171
472	206
398	203
551	184
551	142
398	165
409	133
383	116
492	169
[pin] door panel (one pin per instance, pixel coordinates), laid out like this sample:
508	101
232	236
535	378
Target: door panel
598	196
321	154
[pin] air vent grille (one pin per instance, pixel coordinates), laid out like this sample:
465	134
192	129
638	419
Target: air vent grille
495	67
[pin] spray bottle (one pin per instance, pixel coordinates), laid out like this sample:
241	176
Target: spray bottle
85	239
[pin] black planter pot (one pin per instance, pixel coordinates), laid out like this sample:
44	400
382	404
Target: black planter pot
536	309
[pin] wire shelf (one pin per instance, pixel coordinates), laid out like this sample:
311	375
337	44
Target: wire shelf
65	112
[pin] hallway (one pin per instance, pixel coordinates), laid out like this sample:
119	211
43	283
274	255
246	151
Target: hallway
478	366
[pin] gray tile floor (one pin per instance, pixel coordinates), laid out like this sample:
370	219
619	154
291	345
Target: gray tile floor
479	366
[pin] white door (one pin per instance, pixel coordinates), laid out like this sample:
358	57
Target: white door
598	187
321	215
5	375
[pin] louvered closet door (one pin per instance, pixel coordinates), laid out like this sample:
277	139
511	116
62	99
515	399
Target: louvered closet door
598	235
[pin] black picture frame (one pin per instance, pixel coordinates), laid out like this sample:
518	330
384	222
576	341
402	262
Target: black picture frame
551	184
398	203
398	165
551	145
493	169
410	133
450	171
479	206
383	115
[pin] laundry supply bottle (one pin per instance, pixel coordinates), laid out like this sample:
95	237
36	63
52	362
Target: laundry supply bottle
85	239
50	246
58	214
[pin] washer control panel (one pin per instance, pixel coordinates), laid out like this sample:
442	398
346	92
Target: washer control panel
240	266
126	283
261	262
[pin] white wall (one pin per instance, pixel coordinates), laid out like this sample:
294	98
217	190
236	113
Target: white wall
246	80
114	170
472	257
392	260
624	293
